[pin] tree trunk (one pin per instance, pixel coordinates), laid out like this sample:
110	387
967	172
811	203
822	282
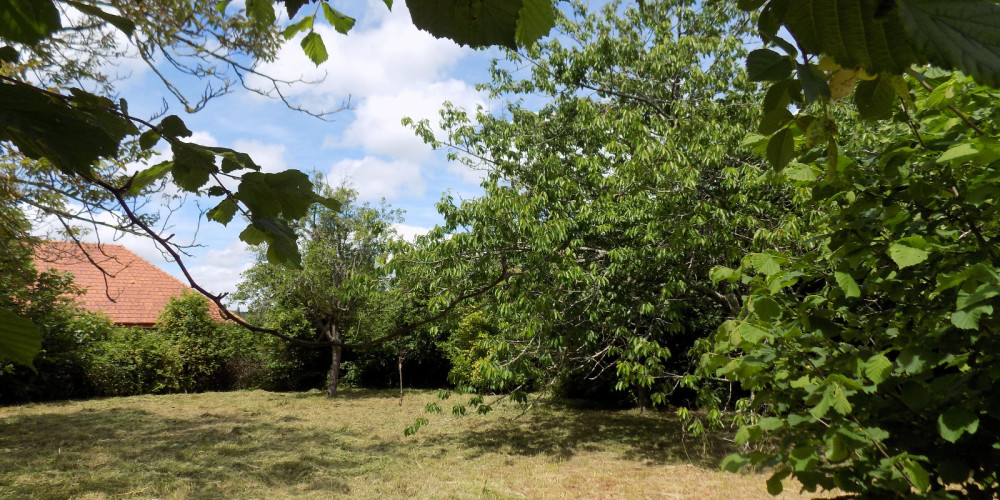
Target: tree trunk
400	366
333	335
642	395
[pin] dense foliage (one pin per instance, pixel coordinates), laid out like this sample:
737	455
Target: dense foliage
343	293
612	199
871	356
67	135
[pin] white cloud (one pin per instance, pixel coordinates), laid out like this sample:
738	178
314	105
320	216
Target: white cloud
375	178
270	157
392	55
410	233
377	127
220	270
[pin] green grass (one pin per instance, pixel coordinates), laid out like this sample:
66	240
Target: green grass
280	445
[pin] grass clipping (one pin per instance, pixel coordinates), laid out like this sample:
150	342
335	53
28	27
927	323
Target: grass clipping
304	445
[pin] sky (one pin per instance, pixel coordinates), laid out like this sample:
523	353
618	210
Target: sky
386	69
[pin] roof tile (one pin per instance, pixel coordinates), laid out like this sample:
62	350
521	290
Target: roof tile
130	290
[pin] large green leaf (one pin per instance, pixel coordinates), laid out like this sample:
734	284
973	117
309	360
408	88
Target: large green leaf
851	32
42	126
874	98
315	49
261	11
477	23
536	19
960	34
286	194
340	21
19	338
956	421
905	256
192	166
878	368
781	149
125	25
768	65
28	21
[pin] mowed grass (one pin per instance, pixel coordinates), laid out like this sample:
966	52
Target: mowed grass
304	445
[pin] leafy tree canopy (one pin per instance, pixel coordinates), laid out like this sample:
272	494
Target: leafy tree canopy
63	115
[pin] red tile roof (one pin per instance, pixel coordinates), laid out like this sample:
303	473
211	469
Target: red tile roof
130	290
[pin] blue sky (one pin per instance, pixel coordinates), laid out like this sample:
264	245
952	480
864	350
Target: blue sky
388	69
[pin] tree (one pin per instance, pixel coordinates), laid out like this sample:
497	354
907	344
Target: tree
79	139
871	351
342	290
613	199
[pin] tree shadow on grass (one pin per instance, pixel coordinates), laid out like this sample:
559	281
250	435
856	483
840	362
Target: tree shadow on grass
125	451
650	437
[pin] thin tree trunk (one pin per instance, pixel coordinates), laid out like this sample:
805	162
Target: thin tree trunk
400	366
334	377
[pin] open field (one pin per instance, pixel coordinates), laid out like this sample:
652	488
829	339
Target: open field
303	445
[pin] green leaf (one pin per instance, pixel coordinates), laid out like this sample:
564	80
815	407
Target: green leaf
279	237
126	26
223	212
959	153
722	273
960	34
477	23
749	5
800	172
814	86
956	421
261	11
781	94
835	448
72	138
293	6
28	21
914	359
751	333
173	126
765	308
846	283
144	178
905	256
306	23
148	139
969	319
878	368
781	149
536	19
851	33
20	340
286	194
840	402
192	166
764	263
9	54
764	65
774	120
918	476
314	48
803	457
340	21
734	462
875	98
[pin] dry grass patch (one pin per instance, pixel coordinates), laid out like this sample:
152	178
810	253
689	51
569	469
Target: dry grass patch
281	445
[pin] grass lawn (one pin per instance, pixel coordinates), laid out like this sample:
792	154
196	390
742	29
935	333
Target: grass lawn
283	445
